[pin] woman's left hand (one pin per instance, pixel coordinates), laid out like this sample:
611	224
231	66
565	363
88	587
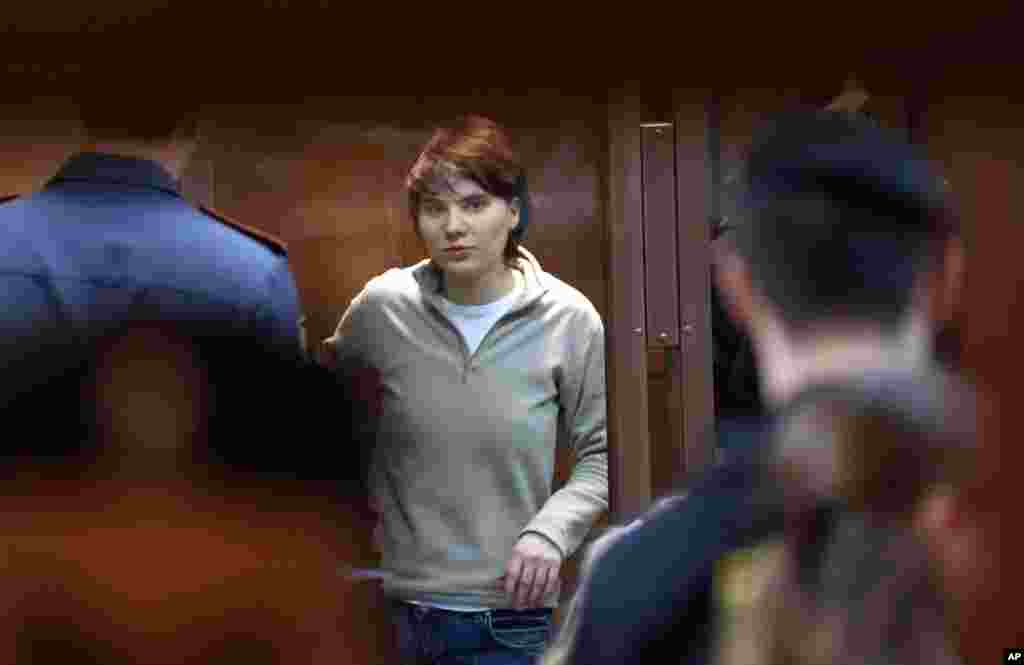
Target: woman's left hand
532	572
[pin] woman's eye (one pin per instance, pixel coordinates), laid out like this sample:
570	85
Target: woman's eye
475	204
432	208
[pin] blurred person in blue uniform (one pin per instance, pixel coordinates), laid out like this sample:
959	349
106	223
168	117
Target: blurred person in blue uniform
167	494
109	242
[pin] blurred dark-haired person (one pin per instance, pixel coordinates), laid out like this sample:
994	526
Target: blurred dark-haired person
846	262
486	360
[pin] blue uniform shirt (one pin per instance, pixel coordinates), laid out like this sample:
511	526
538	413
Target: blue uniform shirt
109	243
109	235
109	259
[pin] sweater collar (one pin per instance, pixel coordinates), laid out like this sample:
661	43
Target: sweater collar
536	281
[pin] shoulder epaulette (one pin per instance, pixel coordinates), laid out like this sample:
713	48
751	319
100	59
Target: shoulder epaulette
274	243
8	198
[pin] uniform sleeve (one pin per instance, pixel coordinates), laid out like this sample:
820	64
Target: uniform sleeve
349	353
569	513
283	311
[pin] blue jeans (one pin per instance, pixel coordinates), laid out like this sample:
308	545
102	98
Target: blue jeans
432	636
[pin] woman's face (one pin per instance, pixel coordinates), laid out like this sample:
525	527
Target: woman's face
466	230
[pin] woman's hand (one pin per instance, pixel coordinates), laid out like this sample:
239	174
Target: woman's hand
532	572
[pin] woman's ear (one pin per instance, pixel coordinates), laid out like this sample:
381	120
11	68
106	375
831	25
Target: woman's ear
515	217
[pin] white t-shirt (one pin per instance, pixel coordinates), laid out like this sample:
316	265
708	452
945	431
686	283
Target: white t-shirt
475	321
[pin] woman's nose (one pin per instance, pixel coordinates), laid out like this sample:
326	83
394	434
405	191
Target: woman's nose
453	224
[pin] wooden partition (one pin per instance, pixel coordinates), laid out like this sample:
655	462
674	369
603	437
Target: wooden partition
978	141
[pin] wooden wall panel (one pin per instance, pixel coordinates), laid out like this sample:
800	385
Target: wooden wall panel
694	380
35	137
629	463
665	387
661	258
978	142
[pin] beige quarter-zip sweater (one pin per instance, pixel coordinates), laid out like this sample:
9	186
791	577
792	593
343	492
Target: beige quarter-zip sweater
465	453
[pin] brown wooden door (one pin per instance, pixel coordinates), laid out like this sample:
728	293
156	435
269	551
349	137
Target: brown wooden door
673	164
659	374
629	460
